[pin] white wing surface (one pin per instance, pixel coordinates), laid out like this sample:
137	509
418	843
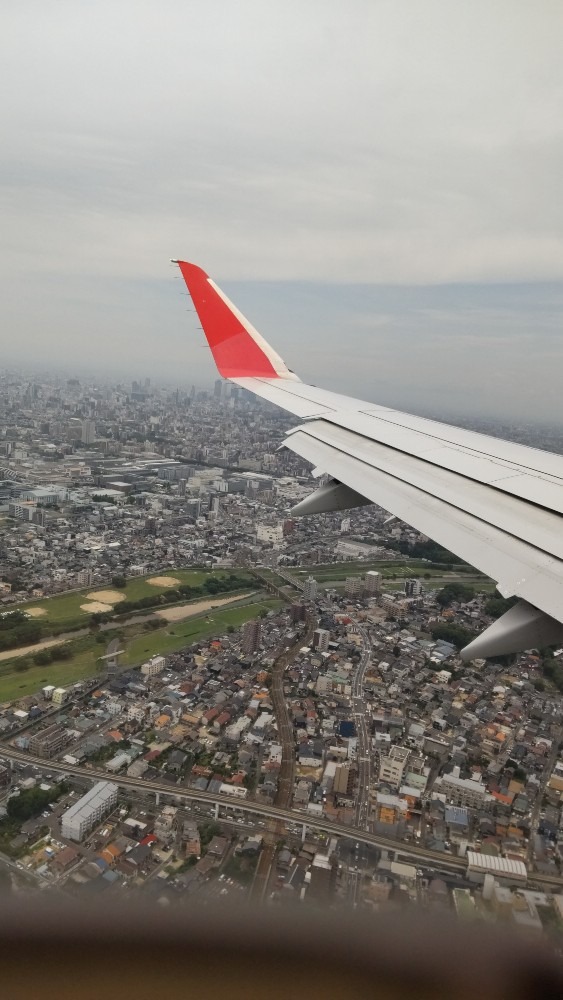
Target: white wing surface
496	504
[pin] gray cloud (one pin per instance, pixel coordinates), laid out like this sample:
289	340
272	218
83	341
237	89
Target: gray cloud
339	143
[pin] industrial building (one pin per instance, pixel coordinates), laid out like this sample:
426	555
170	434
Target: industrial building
89	810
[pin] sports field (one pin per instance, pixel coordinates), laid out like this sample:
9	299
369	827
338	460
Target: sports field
66	610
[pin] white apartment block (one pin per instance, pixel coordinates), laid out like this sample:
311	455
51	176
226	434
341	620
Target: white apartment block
393	766
154	666
89	810
462	791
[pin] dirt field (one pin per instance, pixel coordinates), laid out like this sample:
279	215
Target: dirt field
36	612
106	597
164	581
95	607
23	650
187	610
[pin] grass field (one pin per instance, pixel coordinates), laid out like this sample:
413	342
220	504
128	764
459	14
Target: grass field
180	634
389	569
139	646
83	664
480	584
63	610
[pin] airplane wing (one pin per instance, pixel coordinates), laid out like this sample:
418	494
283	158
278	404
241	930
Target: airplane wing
496	504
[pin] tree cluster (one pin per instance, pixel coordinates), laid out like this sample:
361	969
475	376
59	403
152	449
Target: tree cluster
32	801
498	605
456	634
16	629
52	655
553	670
458	593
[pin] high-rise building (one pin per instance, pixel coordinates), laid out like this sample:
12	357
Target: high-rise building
372	583
310	589
193	507
413	588
251	635
354	586
218	388
298	612
88	432
343	780
321	639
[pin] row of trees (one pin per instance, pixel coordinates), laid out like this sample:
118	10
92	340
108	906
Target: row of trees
424	550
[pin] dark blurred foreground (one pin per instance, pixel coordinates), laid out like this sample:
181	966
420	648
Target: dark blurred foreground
132	953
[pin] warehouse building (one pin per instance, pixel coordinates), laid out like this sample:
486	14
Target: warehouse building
506	871
89	810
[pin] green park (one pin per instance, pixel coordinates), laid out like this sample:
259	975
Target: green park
83	656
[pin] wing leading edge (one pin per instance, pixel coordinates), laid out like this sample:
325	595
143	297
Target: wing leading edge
496	504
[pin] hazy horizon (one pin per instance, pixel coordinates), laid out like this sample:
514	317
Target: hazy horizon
376	185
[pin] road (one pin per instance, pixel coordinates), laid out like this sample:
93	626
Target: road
536	811
363	747
23	873
284	792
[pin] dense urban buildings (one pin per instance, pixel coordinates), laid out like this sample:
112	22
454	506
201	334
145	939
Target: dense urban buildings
243	659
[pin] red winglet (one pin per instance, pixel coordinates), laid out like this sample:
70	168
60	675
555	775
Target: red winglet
238	349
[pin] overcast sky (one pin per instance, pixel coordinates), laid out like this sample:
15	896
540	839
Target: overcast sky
377	183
